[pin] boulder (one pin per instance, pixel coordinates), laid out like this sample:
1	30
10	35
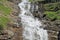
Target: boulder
6	35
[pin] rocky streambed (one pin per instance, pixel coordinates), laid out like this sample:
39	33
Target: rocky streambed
53	27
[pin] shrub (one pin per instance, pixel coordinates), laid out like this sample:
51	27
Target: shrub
35	0
3	21
1	27
5	10
50	15
58	14
50	6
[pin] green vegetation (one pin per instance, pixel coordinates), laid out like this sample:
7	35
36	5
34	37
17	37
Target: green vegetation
58	14
3	0
3	21
35	0
47	1
52	1
5	10
52	10
4	14
52	15
1	28
52	6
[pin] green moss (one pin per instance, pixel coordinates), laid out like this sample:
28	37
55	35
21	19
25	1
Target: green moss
53	15
50	6
35	0
58	14
3	21
50	15
3	0
1	27
58	17
4	9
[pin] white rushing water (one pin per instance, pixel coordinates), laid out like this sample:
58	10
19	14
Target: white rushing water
31	25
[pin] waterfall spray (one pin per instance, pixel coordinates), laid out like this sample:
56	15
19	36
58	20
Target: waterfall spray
31	25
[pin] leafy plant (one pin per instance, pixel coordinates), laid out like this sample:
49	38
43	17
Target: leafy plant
5	10
35	0
50	6
50	15
3	21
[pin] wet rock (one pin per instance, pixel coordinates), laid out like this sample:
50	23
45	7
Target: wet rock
6	34
44	15
51	25
53	19
59	35
53	28
57	22
53	35
13	25
10	34
19	21
15	13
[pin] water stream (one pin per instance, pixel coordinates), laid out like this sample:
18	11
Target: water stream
31	25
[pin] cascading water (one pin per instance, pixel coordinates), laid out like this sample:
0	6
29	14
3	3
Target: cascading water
31	25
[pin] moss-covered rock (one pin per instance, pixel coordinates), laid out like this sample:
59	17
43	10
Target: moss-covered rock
50	15
35	0
52	6
6	10
53	15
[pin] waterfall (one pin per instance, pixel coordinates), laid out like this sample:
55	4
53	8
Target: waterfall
31	26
